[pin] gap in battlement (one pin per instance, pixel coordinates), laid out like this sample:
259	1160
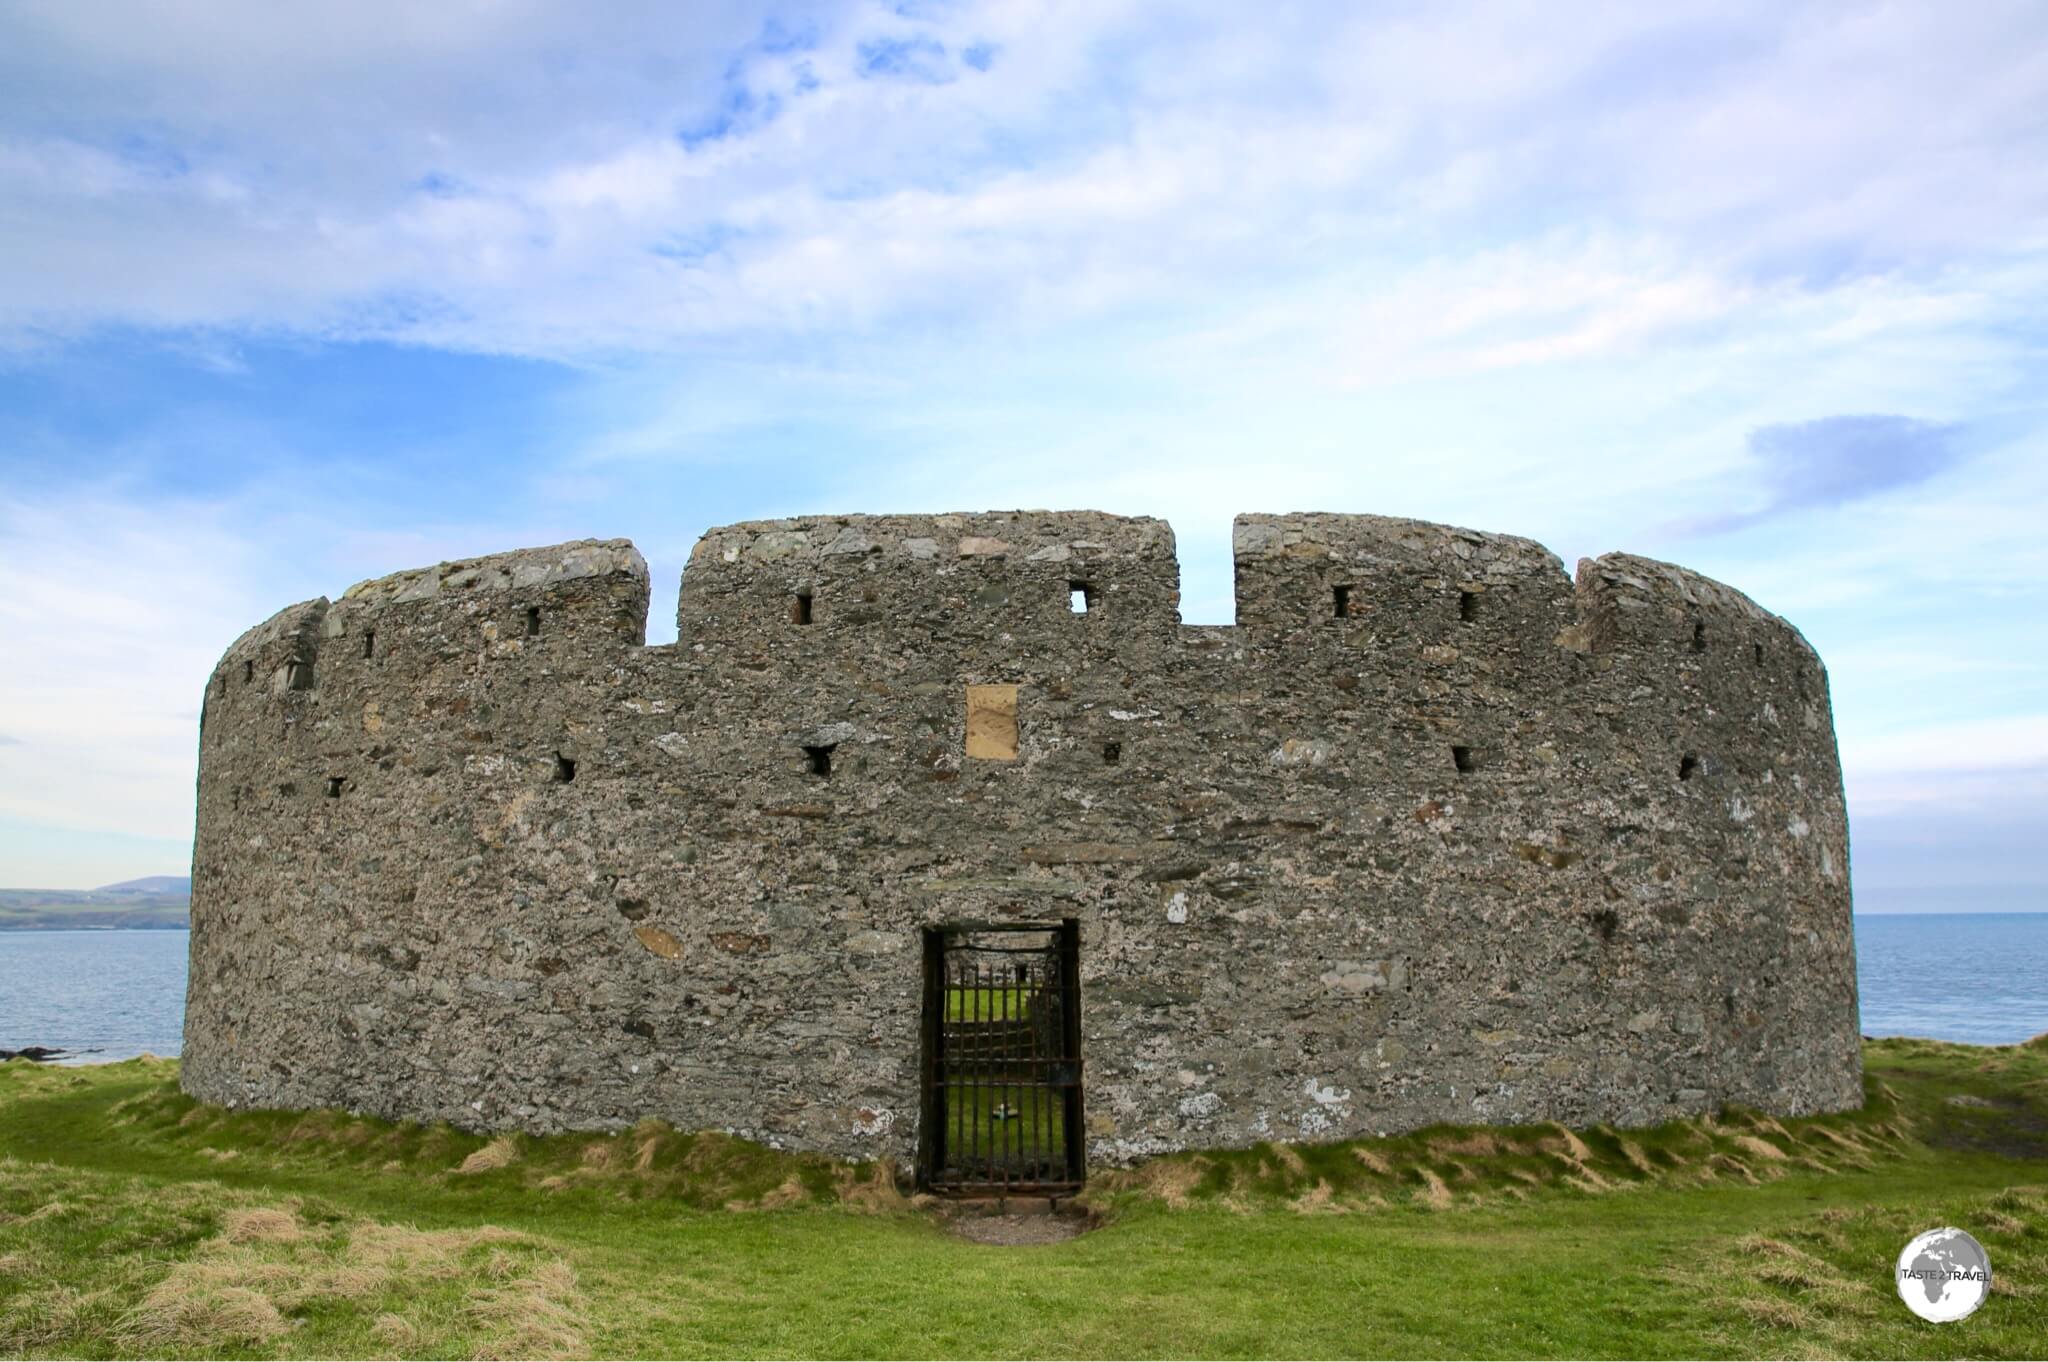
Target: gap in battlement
1211	582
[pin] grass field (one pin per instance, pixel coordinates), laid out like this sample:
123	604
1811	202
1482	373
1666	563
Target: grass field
1005	1130
987	1004
133	1221
998	1130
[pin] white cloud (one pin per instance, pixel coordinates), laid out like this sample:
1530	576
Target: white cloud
1108	158
1455	261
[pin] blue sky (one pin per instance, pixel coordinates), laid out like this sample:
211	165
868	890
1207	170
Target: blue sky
293	296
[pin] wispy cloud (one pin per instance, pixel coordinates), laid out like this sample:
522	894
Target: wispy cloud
104	721
915	58
554	272
880	166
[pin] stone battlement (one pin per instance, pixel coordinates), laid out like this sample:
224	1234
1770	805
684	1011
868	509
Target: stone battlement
1432	826
1011	573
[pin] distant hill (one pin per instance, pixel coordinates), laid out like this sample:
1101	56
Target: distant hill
181	885
154	902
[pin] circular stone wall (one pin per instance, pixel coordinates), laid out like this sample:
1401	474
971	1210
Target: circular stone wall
1432	834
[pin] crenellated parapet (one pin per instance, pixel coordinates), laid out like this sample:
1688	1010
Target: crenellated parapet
1433	832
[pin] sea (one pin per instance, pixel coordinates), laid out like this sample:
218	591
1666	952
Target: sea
1980	978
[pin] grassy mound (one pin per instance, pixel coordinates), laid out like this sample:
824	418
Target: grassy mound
136	1222
652	1160
1445	1166
1917	1093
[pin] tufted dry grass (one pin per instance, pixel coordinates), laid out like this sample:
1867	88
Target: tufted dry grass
98	1264
130	1239
499	1153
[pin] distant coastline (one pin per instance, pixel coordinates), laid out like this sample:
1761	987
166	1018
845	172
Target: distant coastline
1953	912
158	903
60	925
163	904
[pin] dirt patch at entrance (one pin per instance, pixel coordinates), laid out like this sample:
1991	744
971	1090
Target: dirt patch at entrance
985	1224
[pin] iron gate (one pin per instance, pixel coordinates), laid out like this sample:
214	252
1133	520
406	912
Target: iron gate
1002	1060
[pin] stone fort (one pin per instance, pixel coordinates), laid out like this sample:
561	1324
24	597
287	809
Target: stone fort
1432	833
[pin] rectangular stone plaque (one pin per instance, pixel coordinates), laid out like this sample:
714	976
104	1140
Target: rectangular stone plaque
992	722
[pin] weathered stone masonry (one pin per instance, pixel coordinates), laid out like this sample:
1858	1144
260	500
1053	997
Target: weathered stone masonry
1430	834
